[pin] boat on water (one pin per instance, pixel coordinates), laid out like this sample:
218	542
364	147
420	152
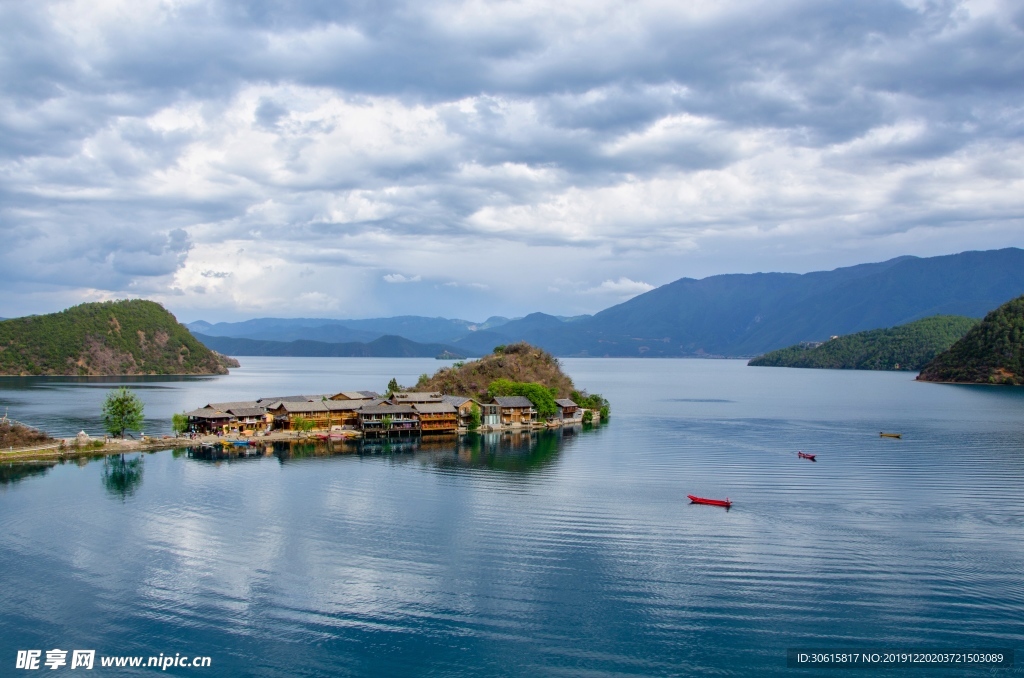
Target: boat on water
883	434
710	502
804	455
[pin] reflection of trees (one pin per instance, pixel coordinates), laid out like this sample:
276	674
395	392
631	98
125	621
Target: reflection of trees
12	473
507	451
519	452
122	476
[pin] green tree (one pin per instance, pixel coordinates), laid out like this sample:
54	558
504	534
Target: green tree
543	398
386	422
179	423
393	386
474	418
301	424
122	411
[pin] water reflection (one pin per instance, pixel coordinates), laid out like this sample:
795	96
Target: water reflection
14	472
137	381
122	476
509	451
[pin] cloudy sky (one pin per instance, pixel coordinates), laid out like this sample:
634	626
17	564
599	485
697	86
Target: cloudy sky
466	159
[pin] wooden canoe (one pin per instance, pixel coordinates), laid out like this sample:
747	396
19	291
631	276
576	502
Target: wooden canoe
710	502
804	455
883	434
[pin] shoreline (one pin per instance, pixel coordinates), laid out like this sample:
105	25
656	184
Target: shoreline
113	446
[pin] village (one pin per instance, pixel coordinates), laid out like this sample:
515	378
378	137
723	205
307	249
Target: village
366	414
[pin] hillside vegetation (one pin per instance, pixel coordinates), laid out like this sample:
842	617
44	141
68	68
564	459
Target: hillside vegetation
518	362
991	353
13	434
906	347
127	337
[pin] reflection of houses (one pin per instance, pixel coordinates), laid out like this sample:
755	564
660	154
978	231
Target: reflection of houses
385	419
515	410
567	409
437	417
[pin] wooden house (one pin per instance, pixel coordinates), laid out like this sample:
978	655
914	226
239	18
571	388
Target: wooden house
286	413
344	413
437	417
464	408
567	409
386	419
209	420
516	410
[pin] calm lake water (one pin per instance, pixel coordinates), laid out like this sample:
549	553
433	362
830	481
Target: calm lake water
551	554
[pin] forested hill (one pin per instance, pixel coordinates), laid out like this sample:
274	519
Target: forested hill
130	337
516	362
906	347
991	353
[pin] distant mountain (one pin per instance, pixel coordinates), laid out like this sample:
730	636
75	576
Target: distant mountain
991	353
415	328
109	338
742	315
382	347
522	329
723	315
905	347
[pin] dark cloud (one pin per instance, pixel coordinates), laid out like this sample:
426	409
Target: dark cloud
135	136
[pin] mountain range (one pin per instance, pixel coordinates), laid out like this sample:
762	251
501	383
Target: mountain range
724	315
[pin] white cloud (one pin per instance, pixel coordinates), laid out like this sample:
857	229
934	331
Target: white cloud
623	287
399	278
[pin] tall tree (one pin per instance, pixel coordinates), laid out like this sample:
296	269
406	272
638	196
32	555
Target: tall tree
122	411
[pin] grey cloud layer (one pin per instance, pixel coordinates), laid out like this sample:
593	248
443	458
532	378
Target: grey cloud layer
138	139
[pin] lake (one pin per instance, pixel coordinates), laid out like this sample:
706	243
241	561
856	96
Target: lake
560	553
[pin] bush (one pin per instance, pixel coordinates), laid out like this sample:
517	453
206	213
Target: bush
542	398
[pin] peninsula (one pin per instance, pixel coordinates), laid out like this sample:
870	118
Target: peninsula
904	347
991	353
111	338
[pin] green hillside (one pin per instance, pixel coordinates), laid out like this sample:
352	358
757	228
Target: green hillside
906	347
991	353
108	338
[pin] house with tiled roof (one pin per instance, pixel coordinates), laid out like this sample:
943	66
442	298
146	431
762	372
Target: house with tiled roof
515	410
387	419
437	417
567	409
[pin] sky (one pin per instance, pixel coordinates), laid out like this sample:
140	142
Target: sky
321	158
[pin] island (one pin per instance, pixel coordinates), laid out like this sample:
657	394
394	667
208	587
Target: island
990	353
904	347
110	338
516	387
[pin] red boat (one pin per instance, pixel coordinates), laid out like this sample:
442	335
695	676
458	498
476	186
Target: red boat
807	456
710	502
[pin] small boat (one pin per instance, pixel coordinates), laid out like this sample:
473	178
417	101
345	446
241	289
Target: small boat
710	502
883	434
804	455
